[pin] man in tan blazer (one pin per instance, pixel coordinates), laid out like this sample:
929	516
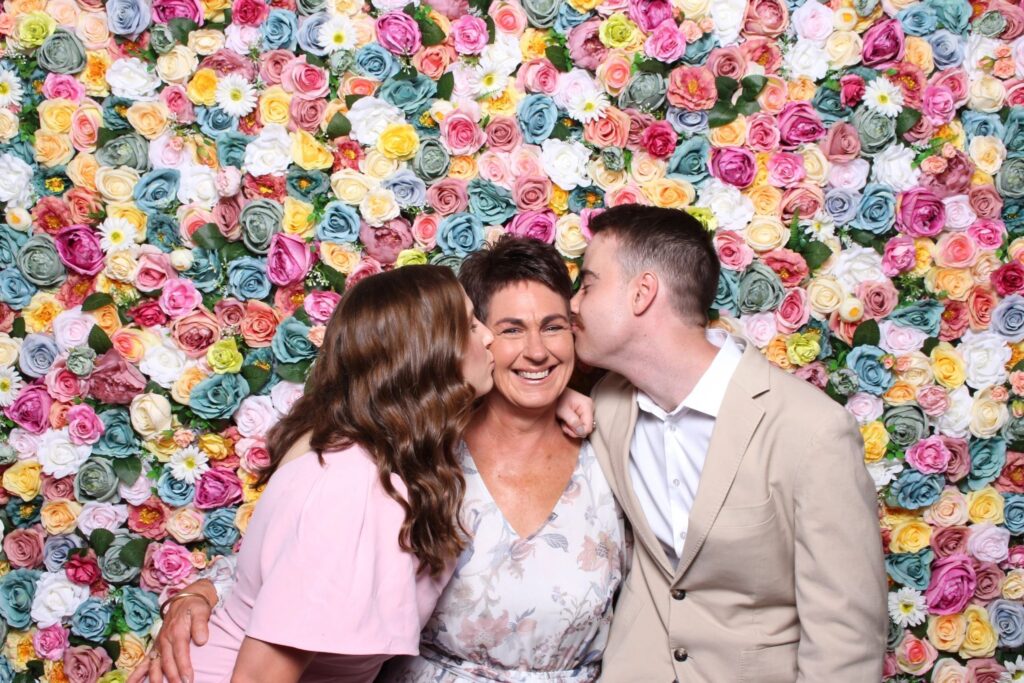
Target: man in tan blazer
757	554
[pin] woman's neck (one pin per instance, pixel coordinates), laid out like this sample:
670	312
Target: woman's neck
499	426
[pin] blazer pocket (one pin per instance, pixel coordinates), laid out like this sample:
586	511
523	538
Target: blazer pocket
775	664
747	515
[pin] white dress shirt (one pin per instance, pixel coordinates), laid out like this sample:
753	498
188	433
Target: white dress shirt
668	449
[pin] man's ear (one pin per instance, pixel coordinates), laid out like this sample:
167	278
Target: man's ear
645	291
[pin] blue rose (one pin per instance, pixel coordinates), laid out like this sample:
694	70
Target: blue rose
309	34
1013	133
219	396
829	105
954	15
1013	511
698	51
409	94
24	514
340	224
408	188
280	30
112	567
15	290
687	122
214	121
490	203
174	492
6	670
760	289
17	591
128	18
911	569
291	342
988	457
1008	318
921	315
140	609
689	161
247	278
586	198
113	113
914	490
460	234
569	18
162	232
1007	617
37	355
219	528
918	19
842	205
231	148
537	116
877	209
205	270
306	185
158	189
373	61
947	49
11	242
978	123
728	291
91	619
118	439
56	549
96	480
1013	214
874	377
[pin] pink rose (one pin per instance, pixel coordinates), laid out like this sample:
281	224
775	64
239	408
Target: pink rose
794	311
448	196
540	225
660	139
249	12
469	35
990	581
72	328
805	199
762	132
461	134
398	33
952	584
384	243
79	249
733	251
900	340
955	250
785	169
114	380
31	409
799	123
988	542
759	328
196	332
929	455
883	42
813	373
450	8
938	104
920	213
304	80
666	43
763	51
255	416
585	47
766	18
367	267
954	178
178	297
899	256
915	655
84	426
56	86
253	454
272	64
879	298
494	166
864	407
175	98
949	541
648	14
217	488
729	62
166	564
149	518
83	570
787	264
627	194
985	670
288	260
50	642
154	269
611	130
985	201
850	175
305	114
319	305
84	664
538	75
813	21
987	233
503	134
424	231
733	165
229	312
284	395
62	384
58	489
24	547
692	88
933	400
851	90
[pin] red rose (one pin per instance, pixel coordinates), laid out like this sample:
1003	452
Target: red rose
1008	278
114	380
659	139
148	314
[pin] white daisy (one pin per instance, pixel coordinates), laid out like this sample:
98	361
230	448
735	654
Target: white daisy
338	33
235	95
907	607
884	97
188	464
10	88
10	386
118	234
587	107
821	227
1014	671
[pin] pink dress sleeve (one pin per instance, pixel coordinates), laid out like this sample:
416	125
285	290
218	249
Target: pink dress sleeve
333	578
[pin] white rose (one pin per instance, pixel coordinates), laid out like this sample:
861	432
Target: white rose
986	94
569	239
857	264
56	597
733	210
985	355
284	395
15	181
865	407
96	515
270	152
379	206
893	166
185	525
988	153
728	16
392	5
884	472
467	82
959	214
369	117
139	492
851	175
24	443
181	259
979	48
957	418
900	340
151	414
166	151
807	58
503	57
255	416
813	21
72	327
131	78
759	328
241	39
164	363
177	65
198	186
9	349
565	163
60	457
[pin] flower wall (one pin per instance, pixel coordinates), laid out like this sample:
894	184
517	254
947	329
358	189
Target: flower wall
188	185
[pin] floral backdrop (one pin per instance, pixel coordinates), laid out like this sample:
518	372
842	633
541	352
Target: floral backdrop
188	185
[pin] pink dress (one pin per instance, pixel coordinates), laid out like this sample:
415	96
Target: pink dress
320	569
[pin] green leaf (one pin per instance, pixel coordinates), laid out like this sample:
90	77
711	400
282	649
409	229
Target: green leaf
816	253
929	344
99	341
293	372
100	540
722	114
862	237
127	469
18	328
867	333
351	99
557	56
431	33
256	377
445	84
96	300
301	315
830	389
209	237
314	60
748	107
105	135
232	250
406	73
180	28
752	87
652	66
338	126
907	119
561	131
133	553
113	649
335	279
480	6
491	28
726	88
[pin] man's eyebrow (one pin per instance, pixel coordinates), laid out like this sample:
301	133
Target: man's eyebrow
588	273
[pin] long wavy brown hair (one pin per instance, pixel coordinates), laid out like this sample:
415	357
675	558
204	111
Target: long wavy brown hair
388	378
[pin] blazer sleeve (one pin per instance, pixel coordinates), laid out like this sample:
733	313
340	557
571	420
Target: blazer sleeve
840	574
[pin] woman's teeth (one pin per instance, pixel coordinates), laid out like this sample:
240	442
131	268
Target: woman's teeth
534	375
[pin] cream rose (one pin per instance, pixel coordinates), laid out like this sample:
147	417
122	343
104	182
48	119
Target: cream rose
825	295
765	233
116	184
151	414
351	186
178	65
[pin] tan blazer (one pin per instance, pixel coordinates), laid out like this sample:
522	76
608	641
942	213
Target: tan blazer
781	577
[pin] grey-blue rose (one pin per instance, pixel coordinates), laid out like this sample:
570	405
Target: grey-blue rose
460	234
37	355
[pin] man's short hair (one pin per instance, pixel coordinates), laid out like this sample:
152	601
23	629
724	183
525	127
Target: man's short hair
670	242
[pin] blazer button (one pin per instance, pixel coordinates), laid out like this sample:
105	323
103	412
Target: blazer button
680	654
678	594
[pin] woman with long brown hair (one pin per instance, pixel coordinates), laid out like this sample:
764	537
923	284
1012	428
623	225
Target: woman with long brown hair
356	532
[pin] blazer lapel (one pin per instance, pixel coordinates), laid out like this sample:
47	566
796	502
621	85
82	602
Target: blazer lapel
737	420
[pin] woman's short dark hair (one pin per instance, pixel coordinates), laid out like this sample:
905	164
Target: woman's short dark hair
508	261
671	242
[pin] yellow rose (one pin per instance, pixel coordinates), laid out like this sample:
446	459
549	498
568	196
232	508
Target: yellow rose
504	103
1013	585
946	632
22	479
55	115
274	105
618	32
584	6
843	49
224	357
133	650
980	638
366	32
398	141
669	193
948	366
985	505
825	294
988	153
116	184
53	149
918	52
987	415
559	202
378	166
245	510
60	516
378	206
411	257
131	213
777	353
605	179
82	171
151	414
94	75
910	537
205	41
150	119
569	238
309	154
899	393
42	308
183	387
955	282
121	266
645	168
918	370
347	7
765	233
176	65
298	217
801	349
463	167
8	125
693	9
202	89
32	29
342	257
986	94
532	44
876	440
949	510
351	186
215	446
802	89
19	650
816	165
733	134
766	199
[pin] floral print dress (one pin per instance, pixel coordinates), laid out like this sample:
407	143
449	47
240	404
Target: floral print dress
526	609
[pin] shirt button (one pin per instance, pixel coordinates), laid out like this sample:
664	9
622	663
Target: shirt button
678	594
680	654
676	482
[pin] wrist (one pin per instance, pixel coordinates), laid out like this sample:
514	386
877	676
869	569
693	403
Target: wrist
183	595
